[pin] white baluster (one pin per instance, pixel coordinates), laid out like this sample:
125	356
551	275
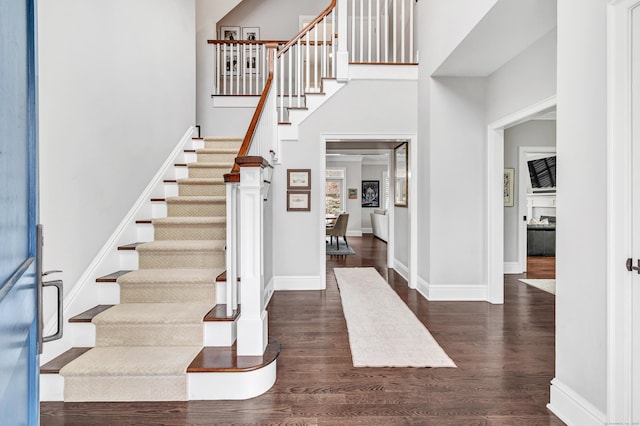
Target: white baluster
334	28
361	16
386	31
377	30
315	58
395	30
411	31
324	47
298	73
290	77
223	61
238	68
403	31
232	247
307	66
353	31
369	39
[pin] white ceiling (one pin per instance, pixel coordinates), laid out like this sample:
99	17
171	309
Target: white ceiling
506	30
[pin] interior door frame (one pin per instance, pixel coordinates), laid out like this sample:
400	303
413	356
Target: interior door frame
619	214
494	271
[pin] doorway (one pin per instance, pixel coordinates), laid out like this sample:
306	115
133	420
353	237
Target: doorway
496	194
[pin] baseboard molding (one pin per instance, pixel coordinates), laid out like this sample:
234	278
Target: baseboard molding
284	283
367	230
354	233
573	409
401	268
269	289
513	268
452	292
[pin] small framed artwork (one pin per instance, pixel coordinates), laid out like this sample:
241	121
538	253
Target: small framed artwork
370	193
299	179
509	175
251	33
298	201
231	65
400	175
353	193
251	61
230	33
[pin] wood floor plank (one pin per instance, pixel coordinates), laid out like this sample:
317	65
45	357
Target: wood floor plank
505	357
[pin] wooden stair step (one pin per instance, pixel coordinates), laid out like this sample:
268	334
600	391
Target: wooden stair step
131	246
89	314
55	365
112	277
226	359
219	314
223	277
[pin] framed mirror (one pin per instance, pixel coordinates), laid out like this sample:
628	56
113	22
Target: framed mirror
401	175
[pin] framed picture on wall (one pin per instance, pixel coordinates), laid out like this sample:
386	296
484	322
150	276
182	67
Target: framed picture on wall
370	193
353	193
251	33
299	179
231	65
298	201
509	175
230	33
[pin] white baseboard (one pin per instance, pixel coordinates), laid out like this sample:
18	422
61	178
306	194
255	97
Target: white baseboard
367	230
573	409
401	268
298	283
354	233
513	268
452	292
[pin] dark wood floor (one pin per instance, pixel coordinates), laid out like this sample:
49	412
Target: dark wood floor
504	353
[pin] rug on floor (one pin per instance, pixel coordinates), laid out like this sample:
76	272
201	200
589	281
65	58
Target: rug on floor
342	249
383	332
545	285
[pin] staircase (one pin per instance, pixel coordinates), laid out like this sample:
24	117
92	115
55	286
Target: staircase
167	323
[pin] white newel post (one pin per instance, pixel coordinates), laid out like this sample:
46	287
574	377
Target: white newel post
252	325
342	59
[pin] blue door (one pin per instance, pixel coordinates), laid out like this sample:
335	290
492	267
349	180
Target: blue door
19	370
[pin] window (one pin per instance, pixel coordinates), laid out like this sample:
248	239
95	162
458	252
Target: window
334	191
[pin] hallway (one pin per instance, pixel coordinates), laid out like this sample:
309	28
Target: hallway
504	353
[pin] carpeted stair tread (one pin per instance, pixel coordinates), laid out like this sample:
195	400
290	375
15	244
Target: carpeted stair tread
132	361
194	199
190	220
221	150
170	276
181	245
213	165
201	181
153	313
223	139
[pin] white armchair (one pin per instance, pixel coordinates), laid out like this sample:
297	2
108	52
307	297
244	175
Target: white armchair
380	224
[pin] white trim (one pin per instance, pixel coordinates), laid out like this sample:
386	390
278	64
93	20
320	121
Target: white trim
232	385
495	205
452	292
108	258
513	268
284	283
367	230
354	233
571	408
619	206
401	269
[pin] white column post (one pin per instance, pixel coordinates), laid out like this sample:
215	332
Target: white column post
252	325
232	248
342	59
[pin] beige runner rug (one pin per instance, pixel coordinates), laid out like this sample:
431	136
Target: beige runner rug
383	332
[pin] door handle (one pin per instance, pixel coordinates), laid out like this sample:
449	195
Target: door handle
632	268
58	284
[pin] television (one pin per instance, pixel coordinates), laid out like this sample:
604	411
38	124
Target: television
542	172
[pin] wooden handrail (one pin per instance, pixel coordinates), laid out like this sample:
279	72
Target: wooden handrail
246	41
308	28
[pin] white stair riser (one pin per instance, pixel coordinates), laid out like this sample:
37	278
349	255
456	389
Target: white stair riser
189	157
181	172
109	293
231	386
158	210
84	334
128	260
144	231
170	189
219	333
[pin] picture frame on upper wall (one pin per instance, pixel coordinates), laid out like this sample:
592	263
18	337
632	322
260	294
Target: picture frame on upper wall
231	65
509	176
299	179
401	175
250	33
230	33
298	201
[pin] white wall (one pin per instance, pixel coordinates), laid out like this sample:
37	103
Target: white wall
527	79
117	92
371	172
531	133
355	109
581	299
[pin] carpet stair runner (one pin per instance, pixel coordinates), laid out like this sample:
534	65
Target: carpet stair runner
145	344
